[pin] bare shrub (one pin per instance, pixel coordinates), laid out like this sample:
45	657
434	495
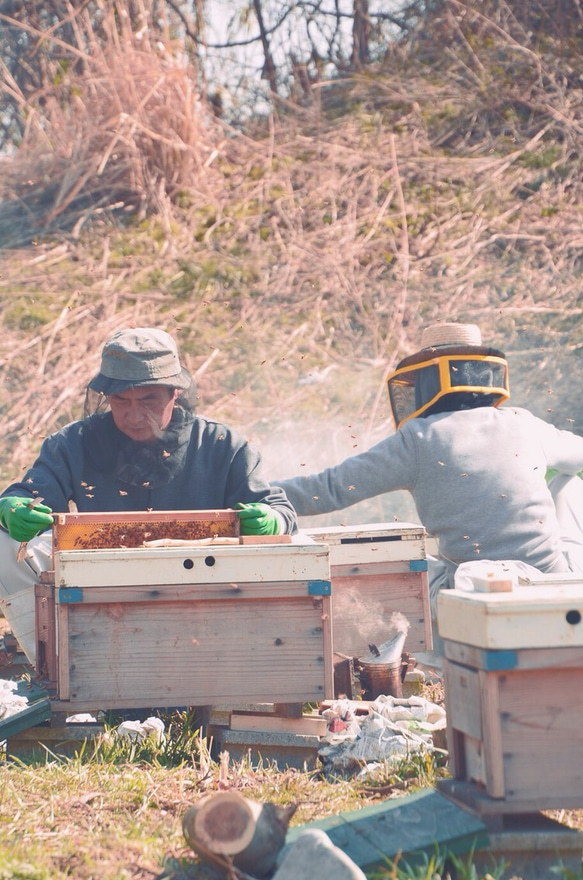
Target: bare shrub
301	265
120	132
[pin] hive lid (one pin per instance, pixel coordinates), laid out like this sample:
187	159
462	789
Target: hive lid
544	615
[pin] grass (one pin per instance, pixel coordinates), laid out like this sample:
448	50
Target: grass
114	810
117	812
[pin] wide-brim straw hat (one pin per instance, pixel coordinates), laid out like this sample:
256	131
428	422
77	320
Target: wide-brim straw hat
440	340
139	356
448	335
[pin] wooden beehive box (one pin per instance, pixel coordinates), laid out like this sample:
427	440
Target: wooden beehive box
188	625
514	693
377	569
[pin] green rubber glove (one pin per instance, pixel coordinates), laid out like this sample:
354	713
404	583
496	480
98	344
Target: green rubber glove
22	518
257	519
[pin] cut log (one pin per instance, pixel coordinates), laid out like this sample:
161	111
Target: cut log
228	824
223	823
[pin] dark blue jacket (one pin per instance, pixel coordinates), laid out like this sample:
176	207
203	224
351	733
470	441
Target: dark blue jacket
199	464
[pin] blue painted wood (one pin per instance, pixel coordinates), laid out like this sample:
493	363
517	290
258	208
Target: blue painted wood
70	595
415	826
37	711
499	660
319	588
418	565
35	714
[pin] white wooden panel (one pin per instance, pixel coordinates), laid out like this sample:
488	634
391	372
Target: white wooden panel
527	617
335	534
217	564
372	543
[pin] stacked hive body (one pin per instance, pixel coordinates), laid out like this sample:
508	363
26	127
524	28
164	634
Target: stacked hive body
377	570
514	690
183	621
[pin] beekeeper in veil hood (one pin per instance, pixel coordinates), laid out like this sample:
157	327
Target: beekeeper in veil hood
475	467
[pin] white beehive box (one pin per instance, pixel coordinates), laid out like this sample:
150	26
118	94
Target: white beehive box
377	570
193	625
546	614
514	691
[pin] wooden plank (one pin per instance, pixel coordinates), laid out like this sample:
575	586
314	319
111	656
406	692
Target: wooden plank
63	659
265	539
455	738
399	553
473	760
162	565
477	799
326	622
400	531
542	734
514	660
45	631
464	707
491	733
162	593
313	725
377	567
346	685
122	655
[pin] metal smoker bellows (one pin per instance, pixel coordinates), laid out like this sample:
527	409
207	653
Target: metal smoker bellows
380	671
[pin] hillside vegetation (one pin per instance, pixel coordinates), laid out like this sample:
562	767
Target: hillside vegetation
298	259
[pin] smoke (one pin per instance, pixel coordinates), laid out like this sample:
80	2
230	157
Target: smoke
305	447
360	621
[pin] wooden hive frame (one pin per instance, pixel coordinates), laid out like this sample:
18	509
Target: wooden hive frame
94	531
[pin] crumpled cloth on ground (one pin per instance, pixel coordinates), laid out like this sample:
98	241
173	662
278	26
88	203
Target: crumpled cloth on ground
392	727
142	730
10	701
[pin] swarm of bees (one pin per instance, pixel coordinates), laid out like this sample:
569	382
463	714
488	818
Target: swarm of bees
99	536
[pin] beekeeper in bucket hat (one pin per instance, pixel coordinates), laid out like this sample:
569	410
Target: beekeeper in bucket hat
140	446
476	468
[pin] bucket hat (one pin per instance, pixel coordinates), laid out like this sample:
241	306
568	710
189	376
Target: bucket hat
139	356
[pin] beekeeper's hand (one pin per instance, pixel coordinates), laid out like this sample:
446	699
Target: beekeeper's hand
23	518
258	519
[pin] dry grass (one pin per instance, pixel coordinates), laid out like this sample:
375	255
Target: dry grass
444	186
116	129
97	818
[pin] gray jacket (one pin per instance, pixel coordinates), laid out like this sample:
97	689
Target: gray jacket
477	478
